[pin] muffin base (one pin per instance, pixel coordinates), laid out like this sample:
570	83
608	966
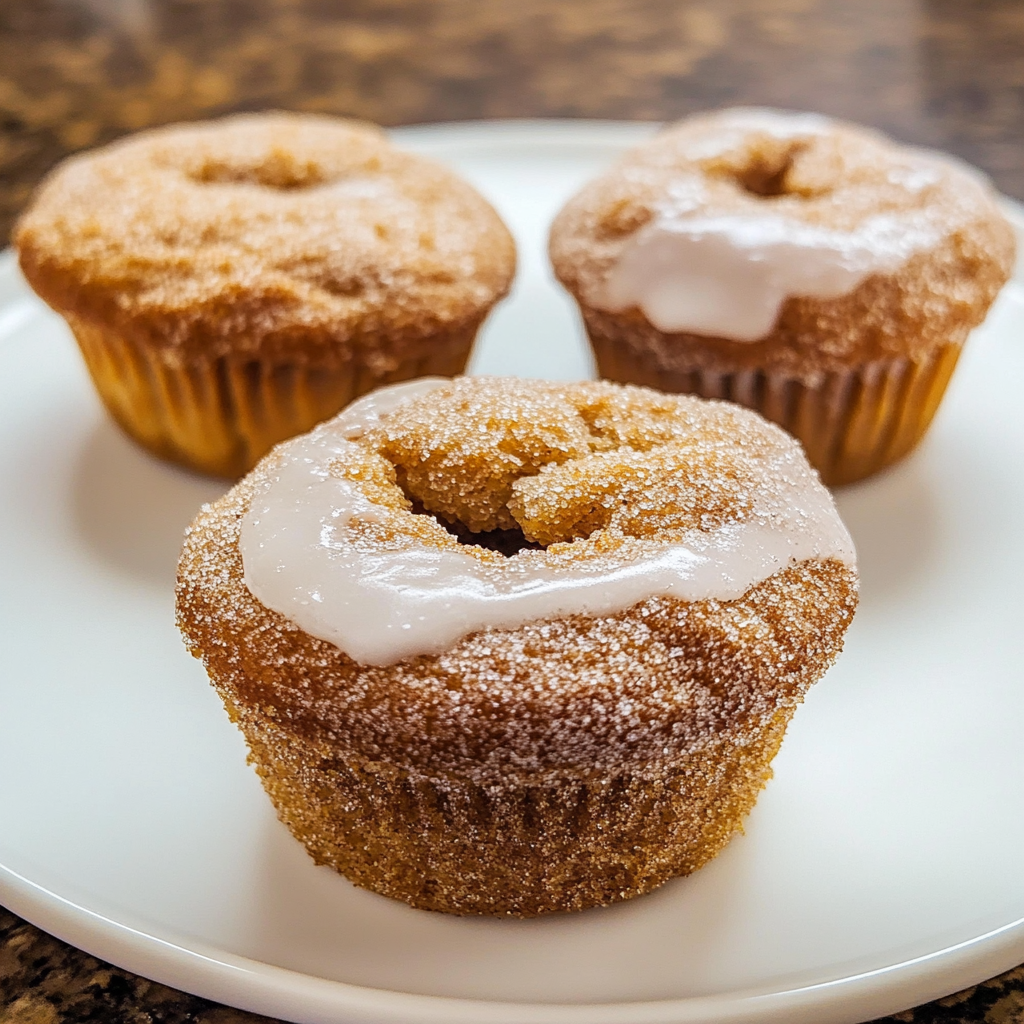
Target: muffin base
851	423
222	415
520	847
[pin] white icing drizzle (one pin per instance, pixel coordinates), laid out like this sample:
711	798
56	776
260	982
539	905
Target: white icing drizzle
728	274
365	413
379	606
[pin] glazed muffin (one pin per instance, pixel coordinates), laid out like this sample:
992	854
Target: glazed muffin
511	647
233	283
809	269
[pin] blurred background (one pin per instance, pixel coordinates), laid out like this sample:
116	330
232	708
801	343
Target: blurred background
77	73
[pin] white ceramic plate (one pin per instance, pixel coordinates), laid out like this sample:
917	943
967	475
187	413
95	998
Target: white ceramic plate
884	865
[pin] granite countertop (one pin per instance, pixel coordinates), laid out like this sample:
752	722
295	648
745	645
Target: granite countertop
77	73
45	981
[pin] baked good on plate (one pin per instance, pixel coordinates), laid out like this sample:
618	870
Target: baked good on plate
235	282
511	647
807	268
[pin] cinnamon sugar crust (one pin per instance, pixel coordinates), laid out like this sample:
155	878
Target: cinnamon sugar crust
548	844
834	178
564	763
578	468
277	235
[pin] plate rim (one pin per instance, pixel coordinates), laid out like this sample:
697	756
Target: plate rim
264	988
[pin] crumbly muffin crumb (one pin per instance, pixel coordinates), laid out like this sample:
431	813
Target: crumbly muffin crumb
576	468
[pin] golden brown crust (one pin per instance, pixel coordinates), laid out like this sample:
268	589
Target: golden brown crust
546	700
276	235
445	843
835	180
574	466
643	687
565	763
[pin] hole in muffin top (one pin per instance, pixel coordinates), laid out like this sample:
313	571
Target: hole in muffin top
504	541
345	288
518	467
277	169
763	167
764	180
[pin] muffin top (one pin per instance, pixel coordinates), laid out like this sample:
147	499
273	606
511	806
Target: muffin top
271	233
788	239
594	497
448	560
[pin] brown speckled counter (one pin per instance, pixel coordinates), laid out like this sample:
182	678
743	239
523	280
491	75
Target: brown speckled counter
75	73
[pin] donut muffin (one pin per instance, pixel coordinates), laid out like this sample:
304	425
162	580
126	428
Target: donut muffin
810	269
511	647
233	283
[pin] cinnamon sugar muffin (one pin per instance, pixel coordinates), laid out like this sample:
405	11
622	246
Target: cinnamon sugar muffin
511	647
810	269
233	283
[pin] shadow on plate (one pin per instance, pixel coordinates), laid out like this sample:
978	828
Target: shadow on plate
315	921
132	509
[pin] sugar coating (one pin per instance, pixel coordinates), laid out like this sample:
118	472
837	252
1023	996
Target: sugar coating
583	470
565	463
561	764
303	541
271	234
555	844
821	175
467	707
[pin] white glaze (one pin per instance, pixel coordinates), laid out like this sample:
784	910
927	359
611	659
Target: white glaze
728	274
380	606
366	412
